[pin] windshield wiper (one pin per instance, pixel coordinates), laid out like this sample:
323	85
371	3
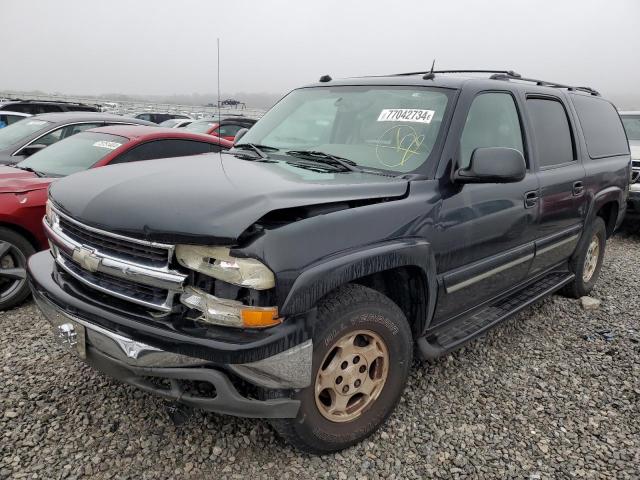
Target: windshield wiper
256	148
326	158
29	169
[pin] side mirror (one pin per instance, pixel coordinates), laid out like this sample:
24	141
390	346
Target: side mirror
493	165
240	134
31	149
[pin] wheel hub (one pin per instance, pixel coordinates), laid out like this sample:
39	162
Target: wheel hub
12	270
351	376
591	259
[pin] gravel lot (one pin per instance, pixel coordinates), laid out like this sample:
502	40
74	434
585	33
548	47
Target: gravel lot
552	393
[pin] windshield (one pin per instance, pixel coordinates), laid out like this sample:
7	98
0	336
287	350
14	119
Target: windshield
202	126
632	126
390	128
19	130
73	154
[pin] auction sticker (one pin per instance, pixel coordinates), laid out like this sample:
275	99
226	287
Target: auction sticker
106	144
406	115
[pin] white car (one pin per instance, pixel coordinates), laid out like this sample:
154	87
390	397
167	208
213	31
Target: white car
7	117
631	122
176	122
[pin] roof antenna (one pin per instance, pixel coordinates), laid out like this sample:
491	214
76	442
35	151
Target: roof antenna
325	78
219	113
430	75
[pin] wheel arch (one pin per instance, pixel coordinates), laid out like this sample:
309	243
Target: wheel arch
607	204
386	267
24	232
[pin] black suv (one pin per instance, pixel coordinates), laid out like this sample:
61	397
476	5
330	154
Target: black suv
35	107
358	221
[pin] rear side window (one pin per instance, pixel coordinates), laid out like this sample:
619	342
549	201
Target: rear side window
553	138
601	126
492	121
45	108
165	149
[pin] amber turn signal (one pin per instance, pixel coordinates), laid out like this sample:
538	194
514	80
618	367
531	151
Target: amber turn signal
260	317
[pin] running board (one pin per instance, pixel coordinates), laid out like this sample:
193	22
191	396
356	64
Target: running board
451	336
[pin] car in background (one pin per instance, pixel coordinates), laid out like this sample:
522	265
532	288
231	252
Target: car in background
176	122
36	107
631	122
22	139
23	188
225	127
157	117
7	117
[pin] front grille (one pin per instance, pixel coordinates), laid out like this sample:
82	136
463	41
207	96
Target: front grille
117	286
120	248
130	269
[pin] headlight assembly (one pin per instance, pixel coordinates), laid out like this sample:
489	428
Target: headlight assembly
216	262
228	313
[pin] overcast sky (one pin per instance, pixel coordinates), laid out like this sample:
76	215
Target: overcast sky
167	47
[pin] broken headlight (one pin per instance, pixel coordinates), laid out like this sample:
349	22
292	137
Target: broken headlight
217	262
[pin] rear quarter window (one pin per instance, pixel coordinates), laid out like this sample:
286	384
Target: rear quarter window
601	125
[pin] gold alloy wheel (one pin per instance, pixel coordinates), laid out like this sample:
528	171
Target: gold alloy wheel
351	376
591	259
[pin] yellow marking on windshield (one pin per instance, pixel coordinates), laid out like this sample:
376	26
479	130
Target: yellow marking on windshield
407	142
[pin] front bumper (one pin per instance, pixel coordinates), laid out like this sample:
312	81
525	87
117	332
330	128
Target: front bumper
634	197
136	356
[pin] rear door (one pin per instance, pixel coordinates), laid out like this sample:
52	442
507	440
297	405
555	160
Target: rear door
561	177
486	231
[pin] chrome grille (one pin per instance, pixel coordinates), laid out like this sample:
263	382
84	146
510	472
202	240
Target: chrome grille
114	285
117	247
127	268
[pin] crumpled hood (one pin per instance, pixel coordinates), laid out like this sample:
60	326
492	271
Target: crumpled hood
14	180
209	198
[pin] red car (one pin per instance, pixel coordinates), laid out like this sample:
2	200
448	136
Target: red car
23	187
227	127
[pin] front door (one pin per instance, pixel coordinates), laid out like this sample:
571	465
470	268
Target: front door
486	231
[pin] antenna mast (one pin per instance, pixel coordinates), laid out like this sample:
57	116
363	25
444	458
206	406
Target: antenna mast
219	113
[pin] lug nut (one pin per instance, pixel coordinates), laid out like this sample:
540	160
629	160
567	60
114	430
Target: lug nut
357	383
345	389
338	380
344	365
362	369
356	359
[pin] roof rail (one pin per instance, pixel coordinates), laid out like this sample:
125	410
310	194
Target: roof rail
511	73
544	83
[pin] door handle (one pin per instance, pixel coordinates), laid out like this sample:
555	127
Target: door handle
530	199
578	189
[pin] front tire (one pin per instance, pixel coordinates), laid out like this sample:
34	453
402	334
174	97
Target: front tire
361	360
14	251
587	262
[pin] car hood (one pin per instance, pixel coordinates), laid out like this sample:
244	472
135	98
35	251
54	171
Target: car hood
205	199
14	180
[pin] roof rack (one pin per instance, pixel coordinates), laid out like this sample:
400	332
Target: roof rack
511	73
544	83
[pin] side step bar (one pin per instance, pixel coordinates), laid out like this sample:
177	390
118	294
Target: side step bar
451	336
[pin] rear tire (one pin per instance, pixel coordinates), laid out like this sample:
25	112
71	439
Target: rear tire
587	262
14	252
361	359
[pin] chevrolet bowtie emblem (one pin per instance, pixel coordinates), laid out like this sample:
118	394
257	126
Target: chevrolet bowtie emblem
86	259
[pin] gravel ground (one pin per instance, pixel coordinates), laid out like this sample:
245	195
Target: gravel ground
552	393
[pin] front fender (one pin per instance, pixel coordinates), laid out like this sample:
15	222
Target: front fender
324	276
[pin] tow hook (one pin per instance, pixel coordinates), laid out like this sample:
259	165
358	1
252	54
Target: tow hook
179	413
